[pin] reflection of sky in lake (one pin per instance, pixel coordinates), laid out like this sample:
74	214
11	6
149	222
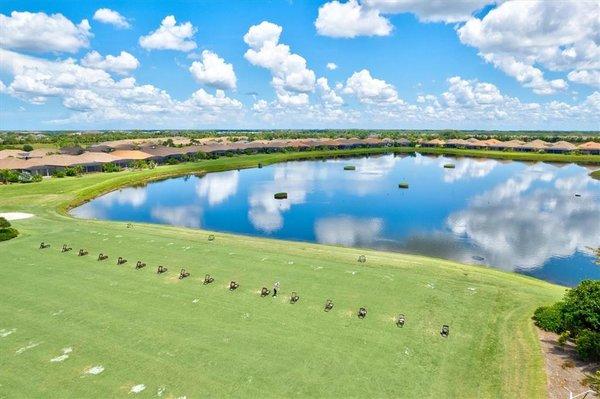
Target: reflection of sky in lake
510	215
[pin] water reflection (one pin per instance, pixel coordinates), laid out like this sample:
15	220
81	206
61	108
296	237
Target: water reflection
217	187
184	216
348	231
134	196
519	227
511	215
265	211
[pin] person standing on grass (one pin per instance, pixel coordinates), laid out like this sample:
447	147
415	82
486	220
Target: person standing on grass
275	288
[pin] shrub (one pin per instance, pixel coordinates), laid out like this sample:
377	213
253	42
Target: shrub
549	318
110	167
27	147
8	233
36	178
588	345
25	177
8	176
74	170
582	307
139	164
4	223
60	173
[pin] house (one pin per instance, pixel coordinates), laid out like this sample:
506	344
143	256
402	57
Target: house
562	147
433	143
591	147
510	145
456	143
124	158
534	146
402	142
474	143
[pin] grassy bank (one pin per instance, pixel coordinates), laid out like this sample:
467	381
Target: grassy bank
178	337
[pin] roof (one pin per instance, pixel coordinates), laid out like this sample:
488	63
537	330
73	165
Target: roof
435	142
590	145
12	163
126	155
161	150
564	145
536	144
9	153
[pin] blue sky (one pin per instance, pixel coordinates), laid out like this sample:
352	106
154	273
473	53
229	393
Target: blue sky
400	64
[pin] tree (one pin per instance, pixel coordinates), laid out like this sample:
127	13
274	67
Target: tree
27	147
581	309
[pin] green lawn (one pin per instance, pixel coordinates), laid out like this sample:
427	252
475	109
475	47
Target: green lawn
185	339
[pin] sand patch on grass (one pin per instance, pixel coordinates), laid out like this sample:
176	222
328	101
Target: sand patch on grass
5	333
94	370
16	215
63	357
137	388
30	345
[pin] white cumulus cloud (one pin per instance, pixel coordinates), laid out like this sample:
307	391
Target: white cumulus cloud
430	10
122	64
170	36
212	70
370	90
41	32
522	38
331	66
351	19
108	16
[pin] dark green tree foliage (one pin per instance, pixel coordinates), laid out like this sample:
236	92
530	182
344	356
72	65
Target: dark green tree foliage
581	308
27	147
588	345
6	232
578	313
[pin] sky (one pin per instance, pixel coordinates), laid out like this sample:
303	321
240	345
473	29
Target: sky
372	64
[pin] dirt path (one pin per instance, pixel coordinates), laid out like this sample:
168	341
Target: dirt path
564	370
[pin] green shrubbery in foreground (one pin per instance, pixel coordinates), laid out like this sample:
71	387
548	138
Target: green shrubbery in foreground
577	316
6	232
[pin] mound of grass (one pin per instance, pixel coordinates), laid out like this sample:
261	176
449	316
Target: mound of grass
449	166
280	196
403	185
349	167
127	327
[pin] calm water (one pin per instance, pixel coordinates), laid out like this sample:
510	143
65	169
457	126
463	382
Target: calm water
509	215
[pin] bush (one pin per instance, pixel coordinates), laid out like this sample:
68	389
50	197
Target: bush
74	170
588	345
25	177
8	233
549	318
36	178
8	176
110	167
582	307
27	147
60	173
4	223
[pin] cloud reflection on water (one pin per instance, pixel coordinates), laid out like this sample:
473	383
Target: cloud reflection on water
516	225
218	187
348	230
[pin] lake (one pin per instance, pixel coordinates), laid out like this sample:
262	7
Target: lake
537	219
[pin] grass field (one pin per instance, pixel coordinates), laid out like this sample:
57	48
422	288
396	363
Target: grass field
180	338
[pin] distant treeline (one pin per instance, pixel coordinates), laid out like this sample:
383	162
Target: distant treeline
10	139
